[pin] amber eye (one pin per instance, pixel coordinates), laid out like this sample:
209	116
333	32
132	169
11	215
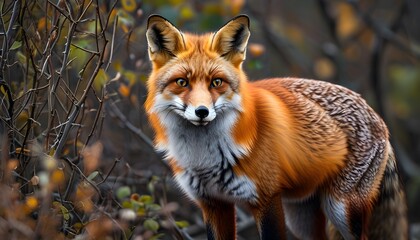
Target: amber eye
217	82
181	82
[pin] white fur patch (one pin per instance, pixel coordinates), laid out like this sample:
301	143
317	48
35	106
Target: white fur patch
226	186
336	213
192	117
207	153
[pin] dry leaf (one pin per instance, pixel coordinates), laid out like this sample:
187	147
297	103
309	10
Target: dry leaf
324	68
91	156
256	49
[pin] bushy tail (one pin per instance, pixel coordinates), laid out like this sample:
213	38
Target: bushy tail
389	218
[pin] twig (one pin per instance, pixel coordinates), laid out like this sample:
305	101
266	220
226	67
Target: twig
67	16
82	175
384	32
111	51
331	49
284	48
117	113
409	167
77	106
97	115
109	172
8	37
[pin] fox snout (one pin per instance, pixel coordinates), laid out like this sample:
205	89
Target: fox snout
200	115
201	111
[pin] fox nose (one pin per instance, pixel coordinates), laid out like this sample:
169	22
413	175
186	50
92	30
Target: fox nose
201	111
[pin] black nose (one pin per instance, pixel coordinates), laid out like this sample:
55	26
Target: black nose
202	111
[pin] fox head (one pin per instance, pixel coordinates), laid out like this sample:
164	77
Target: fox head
196	78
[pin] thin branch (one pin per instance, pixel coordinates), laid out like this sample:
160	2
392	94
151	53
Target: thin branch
117	113
109	172
77	106
284	48
97	116
67	16
111	51
332	49
384	32
85	50
8	36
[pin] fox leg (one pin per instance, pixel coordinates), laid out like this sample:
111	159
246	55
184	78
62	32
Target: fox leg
269	217
220	219
305	218
349	218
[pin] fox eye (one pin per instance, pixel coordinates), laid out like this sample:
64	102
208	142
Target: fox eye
181	82
217	82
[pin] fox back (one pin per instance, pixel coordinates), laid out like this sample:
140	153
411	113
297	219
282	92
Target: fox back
305	154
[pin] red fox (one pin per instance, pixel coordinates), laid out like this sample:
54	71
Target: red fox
305	154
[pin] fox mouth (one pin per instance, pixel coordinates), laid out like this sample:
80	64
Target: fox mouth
199	123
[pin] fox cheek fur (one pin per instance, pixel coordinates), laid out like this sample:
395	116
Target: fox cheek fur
183	84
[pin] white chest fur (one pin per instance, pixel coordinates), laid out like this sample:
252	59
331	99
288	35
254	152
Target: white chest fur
208	153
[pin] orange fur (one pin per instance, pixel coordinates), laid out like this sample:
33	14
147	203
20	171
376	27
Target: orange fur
290	140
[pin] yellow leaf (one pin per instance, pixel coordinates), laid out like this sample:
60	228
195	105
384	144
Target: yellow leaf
125	19
91	155
25	151
100	80
236	6
256	49
131	77
129	5
78	56
124	90
43	23
295	34
112	15
347	21
57	176
22	118
186	12
13	163
49	163
31	203
324	68
125	28
176	2
117	65
84	193
3	90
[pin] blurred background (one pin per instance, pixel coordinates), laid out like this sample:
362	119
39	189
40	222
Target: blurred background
76	147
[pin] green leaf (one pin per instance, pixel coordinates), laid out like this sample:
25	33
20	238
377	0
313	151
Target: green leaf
157	236
182	224
123	192
93	175
127	204
125	18
65	212
135	205
153	207
21	57
16	45
146	199
151	224
100	80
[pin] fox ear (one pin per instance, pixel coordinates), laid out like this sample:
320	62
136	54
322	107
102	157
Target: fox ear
231	40
164	39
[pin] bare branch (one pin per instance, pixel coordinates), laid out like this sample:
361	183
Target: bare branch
384	32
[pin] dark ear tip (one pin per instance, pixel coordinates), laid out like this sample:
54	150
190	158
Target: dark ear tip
155	18
243	18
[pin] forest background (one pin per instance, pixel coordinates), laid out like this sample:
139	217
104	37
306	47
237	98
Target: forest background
76	155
